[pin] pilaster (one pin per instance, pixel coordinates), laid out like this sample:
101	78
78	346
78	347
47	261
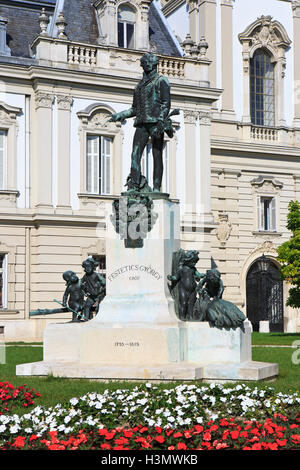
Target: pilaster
227	57
42	167
207	28
64	103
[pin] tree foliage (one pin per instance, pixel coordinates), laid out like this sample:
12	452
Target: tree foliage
289	255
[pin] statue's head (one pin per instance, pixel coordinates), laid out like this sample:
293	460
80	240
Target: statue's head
191	257
149	62
213	274
89	265
70	276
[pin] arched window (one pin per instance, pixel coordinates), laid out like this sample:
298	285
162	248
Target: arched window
126	24
262	94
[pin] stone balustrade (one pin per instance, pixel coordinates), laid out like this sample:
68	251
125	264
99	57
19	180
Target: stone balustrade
263	133
61	53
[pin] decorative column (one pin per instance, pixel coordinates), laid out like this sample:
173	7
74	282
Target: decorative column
227	57
203	180
42	169
64	103
207	28
190	117
296	51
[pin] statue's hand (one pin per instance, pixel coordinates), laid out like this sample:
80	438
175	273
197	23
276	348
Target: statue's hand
159	129
116	117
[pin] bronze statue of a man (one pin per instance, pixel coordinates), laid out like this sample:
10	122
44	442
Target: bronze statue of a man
151	106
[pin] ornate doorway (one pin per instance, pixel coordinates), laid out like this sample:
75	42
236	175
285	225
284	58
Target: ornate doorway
264	294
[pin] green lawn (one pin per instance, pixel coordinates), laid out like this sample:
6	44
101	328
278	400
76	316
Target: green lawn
58	390
279	339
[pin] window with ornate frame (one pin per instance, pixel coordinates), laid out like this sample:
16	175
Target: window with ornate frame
262	89
266	193
101	151
266	213
98	164
269	36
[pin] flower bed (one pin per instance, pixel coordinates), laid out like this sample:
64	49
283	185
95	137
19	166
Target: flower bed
183	417
11	397
273	434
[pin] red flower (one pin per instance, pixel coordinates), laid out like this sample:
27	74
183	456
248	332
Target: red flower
144	429
234	434
181	446
105	446
159	439
19	442
296	438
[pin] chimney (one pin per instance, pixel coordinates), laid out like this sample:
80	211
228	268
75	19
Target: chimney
4	49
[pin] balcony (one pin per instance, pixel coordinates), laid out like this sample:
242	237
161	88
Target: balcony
60	53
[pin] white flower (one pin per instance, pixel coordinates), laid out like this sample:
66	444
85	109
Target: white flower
14	429
74	401
28	430
171	419
67	419
143	401
2	428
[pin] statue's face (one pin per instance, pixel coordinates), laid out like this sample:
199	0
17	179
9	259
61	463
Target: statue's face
88	268
147	63
73	278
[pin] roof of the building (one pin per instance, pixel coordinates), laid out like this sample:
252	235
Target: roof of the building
23	25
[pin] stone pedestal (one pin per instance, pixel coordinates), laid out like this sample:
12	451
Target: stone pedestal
136	334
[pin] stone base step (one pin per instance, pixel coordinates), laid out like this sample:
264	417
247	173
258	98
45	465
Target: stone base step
186	371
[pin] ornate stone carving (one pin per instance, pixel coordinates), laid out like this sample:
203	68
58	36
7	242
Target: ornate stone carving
44	21
8	114
96	117
224	228
266	182
265	33
190	116
204	118
43	100
266	247
64	102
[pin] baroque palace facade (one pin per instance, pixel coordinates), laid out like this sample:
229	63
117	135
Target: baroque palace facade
233	165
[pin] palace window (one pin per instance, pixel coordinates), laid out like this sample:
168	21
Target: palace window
99	164
3	281
147	166
262	97
266	213
126	26
2	159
